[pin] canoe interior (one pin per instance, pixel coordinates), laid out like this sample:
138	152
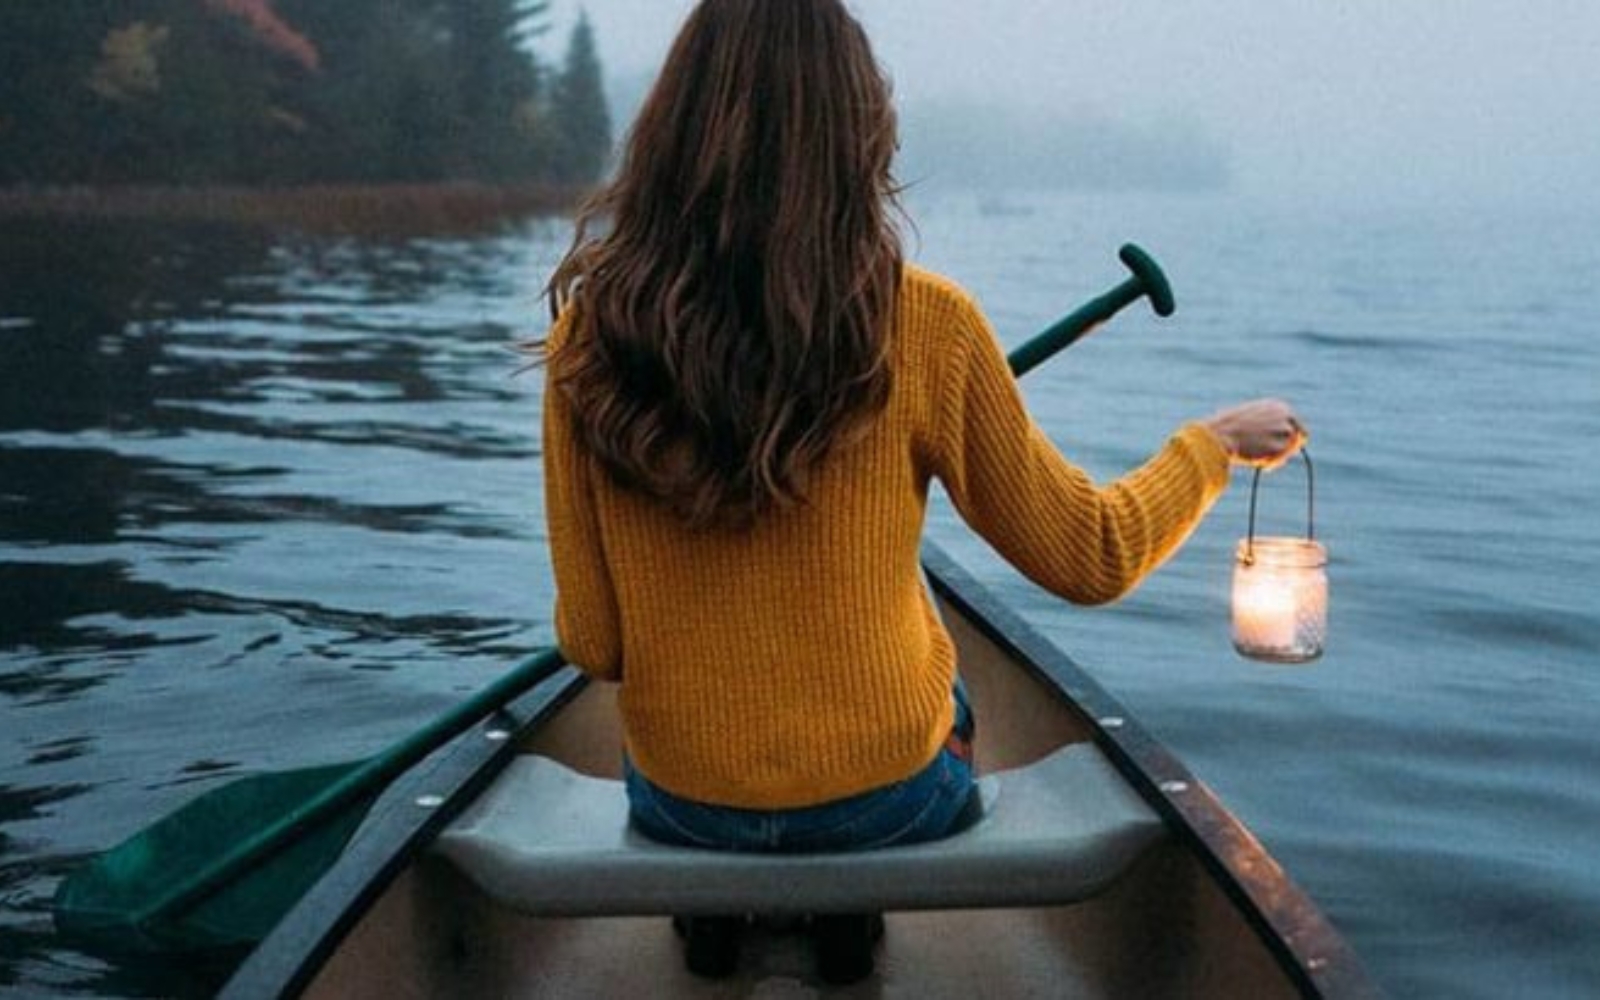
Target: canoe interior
1166	929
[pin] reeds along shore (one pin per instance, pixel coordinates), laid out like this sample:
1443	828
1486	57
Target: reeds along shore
357	209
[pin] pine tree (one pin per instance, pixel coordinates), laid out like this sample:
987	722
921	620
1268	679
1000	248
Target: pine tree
496	80
49	118
582	117
382	108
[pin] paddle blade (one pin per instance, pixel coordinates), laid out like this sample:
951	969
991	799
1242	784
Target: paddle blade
104	903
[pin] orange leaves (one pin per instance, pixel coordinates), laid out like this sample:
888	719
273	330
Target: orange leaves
273	31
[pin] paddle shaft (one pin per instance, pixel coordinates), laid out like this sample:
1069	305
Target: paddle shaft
378	772
1147	280
360	783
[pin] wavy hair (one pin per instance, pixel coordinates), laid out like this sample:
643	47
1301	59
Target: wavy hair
730	329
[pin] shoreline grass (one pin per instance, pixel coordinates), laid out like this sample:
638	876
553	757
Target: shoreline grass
398	209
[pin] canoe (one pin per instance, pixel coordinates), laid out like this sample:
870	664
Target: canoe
502	867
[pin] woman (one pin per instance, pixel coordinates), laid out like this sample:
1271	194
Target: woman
749	393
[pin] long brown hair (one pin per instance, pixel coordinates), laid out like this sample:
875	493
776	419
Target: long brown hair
731	327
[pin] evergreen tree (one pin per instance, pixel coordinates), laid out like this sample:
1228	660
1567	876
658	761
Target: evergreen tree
382	107
497	83
111	91
582	117
47	115
208	115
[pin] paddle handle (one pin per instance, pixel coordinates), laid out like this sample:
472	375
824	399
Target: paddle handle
366	780
1147	280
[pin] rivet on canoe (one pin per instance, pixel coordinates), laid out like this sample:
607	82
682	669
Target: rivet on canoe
1174	787
497	735
430	801
1113	722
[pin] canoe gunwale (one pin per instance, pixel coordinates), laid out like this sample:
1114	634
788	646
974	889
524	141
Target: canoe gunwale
1309	950
397	832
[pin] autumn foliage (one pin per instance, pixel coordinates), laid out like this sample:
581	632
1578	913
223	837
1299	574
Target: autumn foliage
264	93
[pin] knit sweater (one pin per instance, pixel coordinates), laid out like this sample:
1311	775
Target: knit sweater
801	660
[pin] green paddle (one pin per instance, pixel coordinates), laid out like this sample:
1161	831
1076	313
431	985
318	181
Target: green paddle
222	870
1148	280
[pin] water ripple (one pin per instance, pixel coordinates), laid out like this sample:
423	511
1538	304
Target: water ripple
266	503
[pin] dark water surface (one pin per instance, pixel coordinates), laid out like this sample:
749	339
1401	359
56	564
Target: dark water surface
272	501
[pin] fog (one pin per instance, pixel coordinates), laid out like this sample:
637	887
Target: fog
1353	99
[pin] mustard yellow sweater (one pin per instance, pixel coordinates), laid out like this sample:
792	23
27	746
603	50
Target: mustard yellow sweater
802	661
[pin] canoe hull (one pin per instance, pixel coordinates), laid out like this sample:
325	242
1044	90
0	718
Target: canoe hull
1163	931
1205	914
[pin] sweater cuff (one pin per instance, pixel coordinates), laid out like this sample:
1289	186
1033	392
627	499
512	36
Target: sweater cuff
1210	454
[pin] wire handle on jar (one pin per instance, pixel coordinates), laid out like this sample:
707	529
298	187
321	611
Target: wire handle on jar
1311	505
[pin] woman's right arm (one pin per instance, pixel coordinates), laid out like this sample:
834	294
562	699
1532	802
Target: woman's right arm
1265	432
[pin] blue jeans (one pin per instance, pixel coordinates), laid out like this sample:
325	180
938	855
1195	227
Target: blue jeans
935	802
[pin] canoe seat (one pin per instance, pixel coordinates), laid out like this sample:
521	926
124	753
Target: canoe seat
548	841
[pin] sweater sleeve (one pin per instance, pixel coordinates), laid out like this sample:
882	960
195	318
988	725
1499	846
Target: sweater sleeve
1088	544
588	625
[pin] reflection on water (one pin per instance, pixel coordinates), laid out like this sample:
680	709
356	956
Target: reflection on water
243	478
270	501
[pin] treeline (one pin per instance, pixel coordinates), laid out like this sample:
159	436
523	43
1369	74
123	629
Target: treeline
293	92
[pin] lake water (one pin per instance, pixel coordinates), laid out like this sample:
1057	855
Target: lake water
269	502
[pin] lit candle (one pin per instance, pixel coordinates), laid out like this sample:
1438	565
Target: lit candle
1280	588
1280	599
1263	611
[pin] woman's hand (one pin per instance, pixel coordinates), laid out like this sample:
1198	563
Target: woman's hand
1264	433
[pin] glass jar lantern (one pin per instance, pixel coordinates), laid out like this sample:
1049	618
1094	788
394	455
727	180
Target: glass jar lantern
1280	589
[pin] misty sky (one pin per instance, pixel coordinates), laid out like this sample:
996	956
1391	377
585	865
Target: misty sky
1451	98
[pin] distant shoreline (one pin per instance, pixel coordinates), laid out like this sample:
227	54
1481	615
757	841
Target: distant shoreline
337	208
